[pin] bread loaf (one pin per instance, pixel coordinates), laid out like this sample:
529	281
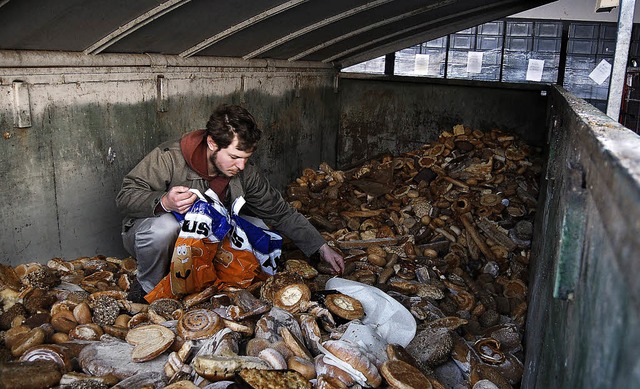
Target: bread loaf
344	306
216	368
303	366
351	354
274	379
149	341
402	375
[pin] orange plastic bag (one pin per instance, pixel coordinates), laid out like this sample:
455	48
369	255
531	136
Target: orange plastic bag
215	248
201	229
192	270
235	267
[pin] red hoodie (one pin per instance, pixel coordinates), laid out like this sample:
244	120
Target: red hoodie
194	150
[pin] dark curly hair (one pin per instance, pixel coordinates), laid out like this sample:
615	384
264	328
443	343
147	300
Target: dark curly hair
228	121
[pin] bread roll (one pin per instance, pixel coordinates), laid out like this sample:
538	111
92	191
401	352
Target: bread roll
344	306
328	382
217	368
402	375
199	324
149	341
294	344
274	379
397	352
351	354
324	369
255	345
302	366
273	358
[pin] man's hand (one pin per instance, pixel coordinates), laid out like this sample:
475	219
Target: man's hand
178	199
331	257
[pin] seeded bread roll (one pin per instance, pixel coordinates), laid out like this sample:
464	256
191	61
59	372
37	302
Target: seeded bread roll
300	267
274	379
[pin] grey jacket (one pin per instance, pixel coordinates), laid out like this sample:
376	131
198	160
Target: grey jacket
165	167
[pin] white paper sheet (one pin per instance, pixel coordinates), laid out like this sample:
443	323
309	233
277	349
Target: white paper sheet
392	321
535	68
601	72
474	62
421	64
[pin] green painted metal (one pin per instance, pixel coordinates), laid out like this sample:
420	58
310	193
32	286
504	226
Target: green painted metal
572	235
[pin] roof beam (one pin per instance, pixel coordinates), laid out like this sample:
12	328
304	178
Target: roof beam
370	27
444	26
241	26
135	24
316	26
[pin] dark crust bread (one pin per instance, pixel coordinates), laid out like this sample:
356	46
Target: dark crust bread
399	353
344	306
402	375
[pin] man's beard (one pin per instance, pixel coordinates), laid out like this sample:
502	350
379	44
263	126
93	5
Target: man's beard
216	169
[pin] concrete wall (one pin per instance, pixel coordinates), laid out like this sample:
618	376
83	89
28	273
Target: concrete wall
583	327
93	118
400	114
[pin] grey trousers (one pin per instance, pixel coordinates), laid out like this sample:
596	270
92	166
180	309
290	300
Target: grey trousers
150	241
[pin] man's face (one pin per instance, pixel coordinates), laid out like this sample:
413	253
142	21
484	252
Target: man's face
229	161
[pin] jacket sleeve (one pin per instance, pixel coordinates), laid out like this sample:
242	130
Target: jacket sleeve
267	203
145	184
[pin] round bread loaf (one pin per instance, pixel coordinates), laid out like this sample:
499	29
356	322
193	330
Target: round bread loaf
344	306
286	290
351	354
149	341
402	375
199	324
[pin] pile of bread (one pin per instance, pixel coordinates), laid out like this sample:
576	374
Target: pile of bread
274	335
445	230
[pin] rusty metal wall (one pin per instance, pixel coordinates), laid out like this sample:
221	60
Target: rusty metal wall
583	320
400	114
70	133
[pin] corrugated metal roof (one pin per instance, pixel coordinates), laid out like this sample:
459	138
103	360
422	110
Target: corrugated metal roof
342	32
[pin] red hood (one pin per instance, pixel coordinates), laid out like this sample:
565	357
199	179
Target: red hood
194	150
